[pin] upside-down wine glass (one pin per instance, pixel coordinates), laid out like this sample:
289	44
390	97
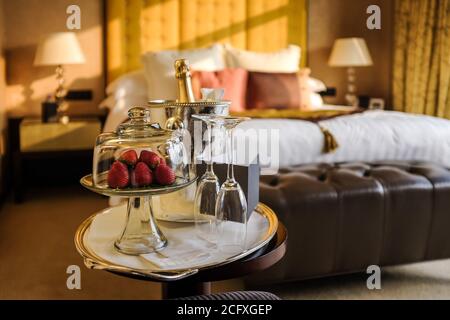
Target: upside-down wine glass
231	204
207	190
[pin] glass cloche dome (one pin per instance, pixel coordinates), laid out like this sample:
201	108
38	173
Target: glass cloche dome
138	161
140	155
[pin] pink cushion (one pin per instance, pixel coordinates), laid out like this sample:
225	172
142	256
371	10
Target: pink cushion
233	80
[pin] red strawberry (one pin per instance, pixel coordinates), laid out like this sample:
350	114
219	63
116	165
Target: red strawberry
129	157
118	176
164	175
162	160
150	158
141	175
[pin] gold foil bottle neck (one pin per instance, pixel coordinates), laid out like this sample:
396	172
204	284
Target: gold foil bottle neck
182	68
183	75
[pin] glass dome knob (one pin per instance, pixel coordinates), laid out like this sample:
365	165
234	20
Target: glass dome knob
139	113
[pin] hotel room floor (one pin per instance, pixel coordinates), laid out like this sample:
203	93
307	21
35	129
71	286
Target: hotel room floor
36	247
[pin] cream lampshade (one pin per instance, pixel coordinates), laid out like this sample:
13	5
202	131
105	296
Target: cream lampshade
350	53
59	49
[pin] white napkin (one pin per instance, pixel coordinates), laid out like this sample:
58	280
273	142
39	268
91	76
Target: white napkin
212	94
185	249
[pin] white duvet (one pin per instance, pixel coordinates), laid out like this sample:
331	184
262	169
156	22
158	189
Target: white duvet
368	136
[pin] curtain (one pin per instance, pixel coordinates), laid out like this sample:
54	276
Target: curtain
421	68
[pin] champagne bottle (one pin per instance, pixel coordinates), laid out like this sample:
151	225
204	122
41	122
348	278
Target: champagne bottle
183	76
181	115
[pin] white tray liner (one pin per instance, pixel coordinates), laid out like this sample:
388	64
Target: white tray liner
184	250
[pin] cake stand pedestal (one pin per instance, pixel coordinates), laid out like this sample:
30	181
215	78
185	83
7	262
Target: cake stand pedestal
141	233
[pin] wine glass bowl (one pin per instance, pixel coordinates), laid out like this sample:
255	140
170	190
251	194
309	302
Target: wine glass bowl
231	215
204	207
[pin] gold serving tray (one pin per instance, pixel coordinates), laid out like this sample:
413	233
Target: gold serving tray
93	261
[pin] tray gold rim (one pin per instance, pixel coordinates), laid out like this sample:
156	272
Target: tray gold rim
93	261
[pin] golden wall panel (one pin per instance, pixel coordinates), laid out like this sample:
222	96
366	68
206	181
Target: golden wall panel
159	25
137	26
203	22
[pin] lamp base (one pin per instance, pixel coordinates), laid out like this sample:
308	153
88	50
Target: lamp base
61	91
60	95
350	97
351	100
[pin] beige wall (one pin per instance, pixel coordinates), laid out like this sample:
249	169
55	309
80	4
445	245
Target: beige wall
26	22
2	65
331	19
2	88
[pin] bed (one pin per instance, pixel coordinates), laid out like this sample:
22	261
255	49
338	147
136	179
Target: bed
373	135
367	137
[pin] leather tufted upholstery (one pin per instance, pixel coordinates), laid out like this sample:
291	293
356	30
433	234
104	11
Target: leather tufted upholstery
344	217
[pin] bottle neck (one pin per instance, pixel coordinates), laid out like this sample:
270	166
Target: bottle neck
185	93
183	76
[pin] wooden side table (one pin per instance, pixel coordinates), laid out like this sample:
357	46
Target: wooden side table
30	139
200	283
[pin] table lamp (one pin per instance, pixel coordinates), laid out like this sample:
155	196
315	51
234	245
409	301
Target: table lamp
58	49
350	53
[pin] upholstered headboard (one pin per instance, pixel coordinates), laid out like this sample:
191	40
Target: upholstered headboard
137	26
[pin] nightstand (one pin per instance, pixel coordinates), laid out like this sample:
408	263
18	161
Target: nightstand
42	153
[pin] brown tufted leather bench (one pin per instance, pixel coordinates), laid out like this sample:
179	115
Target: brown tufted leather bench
342	218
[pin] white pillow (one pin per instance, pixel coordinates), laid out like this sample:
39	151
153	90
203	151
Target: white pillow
316	100
284	60
118	109
159	68
131	83
316	85
108	102
125	92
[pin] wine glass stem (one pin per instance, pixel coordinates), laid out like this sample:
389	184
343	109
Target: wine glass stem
209	166
230	147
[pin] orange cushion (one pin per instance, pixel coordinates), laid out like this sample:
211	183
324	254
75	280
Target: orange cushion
233	80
